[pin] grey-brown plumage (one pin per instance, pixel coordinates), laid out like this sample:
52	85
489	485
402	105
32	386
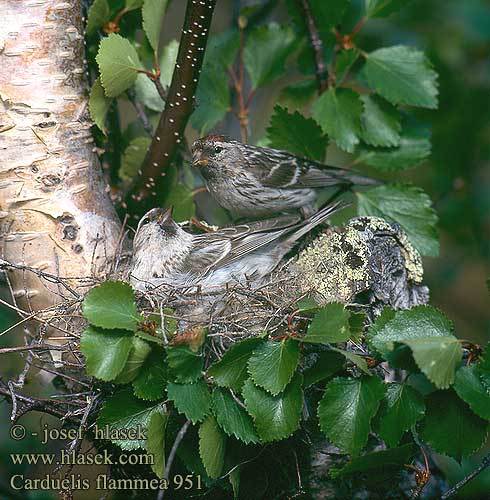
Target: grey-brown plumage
251	181
166	255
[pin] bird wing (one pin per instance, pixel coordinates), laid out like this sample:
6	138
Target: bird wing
280	169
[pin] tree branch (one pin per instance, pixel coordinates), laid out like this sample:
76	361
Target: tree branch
317	45
140	111
484	464
178	106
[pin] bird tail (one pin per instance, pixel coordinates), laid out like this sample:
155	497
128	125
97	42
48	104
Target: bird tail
352	177
317	218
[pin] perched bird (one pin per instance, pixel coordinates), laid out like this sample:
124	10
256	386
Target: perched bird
251	181
166	255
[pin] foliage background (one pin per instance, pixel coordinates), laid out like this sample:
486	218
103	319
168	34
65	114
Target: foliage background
456	37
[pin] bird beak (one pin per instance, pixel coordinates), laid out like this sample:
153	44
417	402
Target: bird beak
167	215
198	161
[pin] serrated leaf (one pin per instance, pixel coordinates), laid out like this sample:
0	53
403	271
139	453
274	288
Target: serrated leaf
153	12
133	157
118	64
272	364
139	352
401	408
327	364
447	424
185	365
193	400
413	149
232	418
428	333
152	378
380	122
410	207
124	412
145	89
346	410
213	95
155	442
275	417
470	389
111	305
98	105
105	351
402	75
266	51
383	8
359	361
338	111
231	370
328	14
330	324
212	444
297	134
99	13
345	61
383	460
298	94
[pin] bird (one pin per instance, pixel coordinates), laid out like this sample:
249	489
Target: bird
165	255
251	181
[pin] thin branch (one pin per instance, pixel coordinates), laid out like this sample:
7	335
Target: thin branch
451	492
173	452
161	91
317	45
178	106
140	112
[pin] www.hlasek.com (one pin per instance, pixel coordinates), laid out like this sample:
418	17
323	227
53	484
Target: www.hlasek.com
75	458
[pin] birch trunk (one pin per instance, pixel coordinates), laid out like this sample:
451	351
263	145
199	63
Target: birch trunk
55	213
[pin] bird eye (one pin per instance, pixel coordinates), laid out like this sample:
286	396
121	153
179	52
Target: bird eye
145	221
218	149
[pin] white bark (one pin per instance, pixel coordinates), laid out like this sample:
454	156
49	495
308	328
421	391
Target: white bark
55	213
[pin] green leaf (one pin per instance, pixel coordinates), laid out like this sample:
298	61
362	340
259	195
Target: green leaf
232	418
133	4
266	51
152	378
298	94
231	370
401	408
153	12
99	13
213	92
328	14
297	134
155	442
330	324
193	400
450	427
359	361
327	364
410	207
402	75
346	410
212	443
470	389
272	364
182	201
118	64
379	461
338	111
105	351
186	366
380	122
111	305
383	8
98	105
145	89
345	61
133	157
139	352
428	333
275	417
413	149
122	412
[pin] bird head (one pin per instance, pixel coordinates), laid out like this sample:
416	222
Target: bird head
213	154
157	225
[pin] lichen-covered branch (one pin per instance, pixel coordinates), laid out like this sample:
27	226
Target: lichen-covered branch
178	106
55	213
